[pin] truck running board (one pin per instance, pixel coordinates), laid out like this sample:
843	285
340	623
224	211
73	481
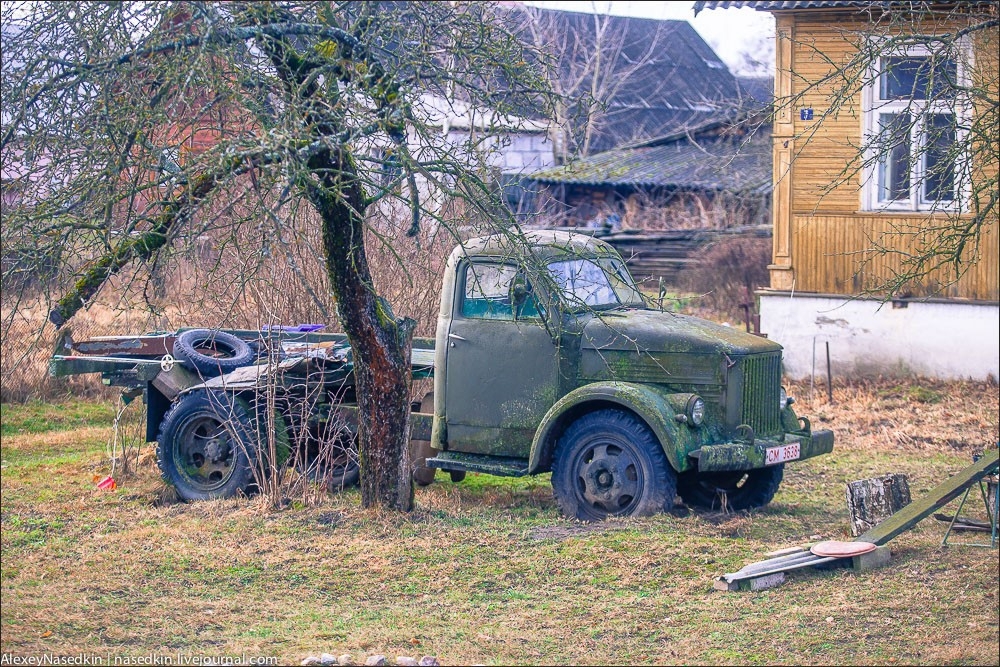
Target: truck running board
491	465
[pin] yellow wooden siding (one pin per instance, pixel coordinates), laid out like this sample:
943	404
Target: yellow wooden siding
830	237
833	254
826	164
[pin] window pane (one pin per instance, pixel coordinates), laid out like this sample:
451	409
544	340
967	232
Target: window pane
487	292
894	164
623	284
583	282
917	77
939	157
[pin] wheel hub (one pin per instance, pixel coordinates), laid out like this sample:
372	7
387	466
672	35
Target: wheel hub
608	477
216	450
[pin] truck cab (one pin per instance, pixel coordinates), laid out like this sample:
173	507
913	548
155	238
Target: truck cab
549	358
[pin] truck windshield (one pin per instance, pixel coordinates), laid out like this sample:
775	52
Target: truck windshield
595	283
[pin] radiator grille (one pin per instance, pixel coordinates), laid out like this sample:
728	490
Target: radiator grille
761	390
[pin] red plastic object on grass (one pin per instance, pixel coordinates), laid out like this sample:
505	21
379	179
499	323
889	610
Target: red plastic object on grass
107	484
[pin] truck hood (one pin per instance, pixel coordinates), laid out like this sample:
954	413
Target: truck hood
653	331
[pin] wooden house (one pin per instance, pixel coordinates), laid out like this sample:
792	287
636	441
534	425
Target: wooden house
874	104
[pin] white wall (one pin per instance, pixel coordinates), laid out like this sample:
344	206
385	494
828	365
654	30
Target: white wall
512	151
947	340
527	152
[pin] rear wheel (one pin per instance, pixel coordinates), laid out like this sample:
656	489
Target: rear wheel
207	446
333	462
608	463
738	490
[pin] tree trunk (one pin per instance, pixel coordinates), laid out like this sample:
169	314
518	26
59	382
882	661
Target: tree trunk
872	501
380	344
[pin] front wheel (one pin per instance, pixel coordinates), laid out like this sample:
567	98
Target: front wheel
608	463
738	490
207	446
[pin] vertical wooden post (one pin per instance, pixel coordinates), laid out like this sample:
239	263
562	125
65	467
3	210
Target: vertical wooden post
829	375
781	269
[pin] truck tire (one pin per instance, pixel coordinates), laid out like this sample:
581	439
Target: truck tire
212	353
343	470
331	460
608	463
420	450
338	474
744	489
207	446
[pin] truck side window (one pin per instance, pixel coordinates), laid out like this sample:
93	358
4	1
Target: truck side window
488	293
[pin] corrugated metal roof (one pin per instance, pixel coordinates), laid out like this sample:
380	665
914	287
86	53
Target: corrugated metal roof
731	164
756	91
779	5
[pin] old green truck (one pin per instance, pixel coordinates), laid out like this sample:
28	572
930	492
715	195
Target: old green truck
547	358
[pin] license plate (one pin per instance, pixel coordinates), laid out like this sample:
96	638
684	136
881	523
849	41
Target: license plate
781	454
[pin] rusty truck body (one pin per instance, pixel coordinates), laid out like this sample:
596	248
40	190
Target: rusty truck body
547	358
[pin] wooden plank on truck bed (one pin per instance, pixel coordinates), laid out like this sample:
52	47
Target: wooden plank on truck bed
61	365
422	359
134	346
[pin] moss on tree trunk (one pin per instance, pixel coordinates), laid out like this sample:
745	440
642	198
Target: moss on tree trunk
380	343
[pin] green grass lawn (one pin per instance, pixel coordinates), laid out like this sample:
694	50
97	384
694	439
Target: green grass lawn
485	571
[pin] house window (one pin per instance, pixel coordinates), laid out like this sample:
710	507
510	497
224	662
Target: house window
912	122
170	159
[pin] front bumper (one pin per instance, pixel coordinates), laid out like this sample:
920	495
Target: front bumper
748	456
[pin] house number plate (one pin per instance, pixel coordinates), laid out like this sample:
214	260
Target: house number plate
781	454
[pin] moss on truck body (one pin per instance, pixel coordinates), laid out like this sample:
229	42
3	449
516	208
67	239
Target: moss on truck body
511	379
546	358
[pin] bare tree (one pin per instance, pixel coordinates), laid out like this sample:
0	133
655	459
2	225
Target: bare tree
610	71
133	128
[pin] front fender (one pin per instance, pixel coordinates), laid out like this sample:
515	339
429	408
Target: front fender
656	406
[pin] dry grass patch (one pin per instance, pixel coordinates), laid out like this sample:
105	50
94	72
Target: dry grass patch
487	571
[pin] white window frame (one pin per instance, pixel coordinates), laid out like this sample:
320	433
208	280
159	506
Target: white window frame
873	106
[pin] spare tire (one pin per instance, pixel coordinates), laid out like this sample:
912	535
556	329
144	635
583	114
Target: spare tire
212	352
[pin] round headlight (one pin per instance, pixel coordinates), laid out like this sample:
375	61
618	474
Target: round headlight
695	410
782	400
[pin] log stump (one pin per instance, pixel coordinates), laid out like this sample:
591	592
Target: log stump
871	501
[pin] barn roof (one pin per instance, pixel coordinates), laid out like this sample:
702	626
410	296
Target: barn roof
679	83
699	162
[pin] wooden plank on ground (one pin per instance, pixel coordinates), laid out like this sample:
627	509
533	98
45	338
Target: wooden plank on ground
936	498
